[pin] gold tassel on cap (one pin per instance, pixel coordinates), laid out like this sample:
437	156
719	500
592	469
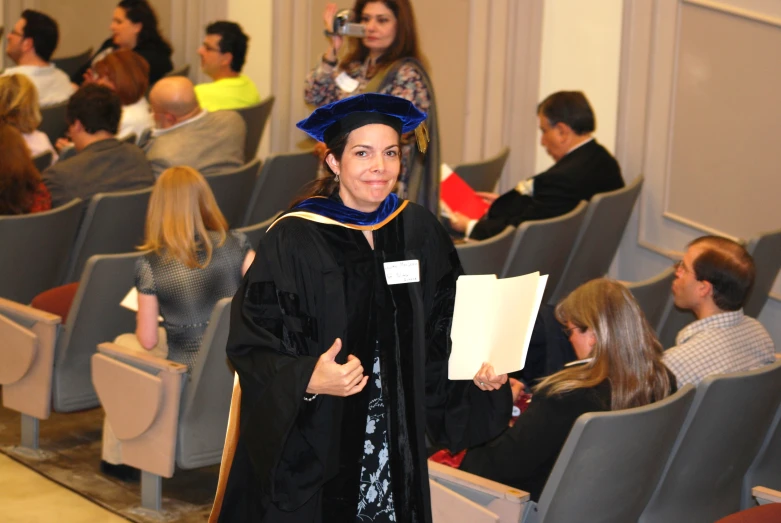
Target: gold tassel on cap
421	135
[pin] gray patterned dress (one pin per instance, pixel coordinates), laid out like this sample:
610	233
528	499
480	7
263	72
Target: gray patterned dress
187	296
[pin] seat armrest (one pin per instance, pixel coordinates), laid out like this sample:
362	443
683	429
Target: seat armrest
137	358
17	352
438	471
25	314
766	495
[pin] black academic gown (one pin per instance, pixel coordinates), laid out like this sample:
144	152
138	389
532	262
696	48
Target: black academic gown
579	175
300	461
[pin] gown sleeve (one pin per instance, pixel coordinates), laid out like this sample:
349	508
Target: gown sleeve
268	348
458	413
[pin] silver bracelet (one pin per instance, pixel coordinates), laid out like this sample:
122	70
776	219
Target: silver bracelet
310	398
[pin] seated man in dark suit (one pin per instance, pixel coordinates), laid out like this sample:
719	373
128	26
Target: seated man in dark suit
583	168
102	163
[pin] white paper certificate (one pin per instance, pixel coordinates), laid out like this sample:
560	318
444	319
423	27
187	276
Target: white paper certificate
493	322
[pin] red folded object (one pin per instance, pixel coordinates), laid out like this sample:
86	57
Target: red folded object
458	196
446	457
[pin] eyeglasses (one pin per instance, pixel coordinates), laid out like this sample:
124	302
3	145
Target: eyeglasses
16	33
210	49
568	332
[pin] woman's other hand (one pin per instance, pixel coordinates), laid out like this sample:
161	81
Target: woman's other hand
487	379
334	379
328	21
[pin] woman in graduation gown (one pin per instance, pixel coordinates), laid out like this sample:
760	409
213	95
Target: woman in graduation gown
340	335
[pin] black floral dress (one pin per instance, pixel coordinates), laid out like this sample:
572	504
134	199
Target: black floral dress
375	499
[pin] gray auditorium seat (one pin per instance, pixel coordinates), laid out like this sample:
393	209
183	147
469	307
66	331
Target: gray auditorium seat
598	239
610	463
232	190
765	470
71	64
53	361
544	245
255	117
53	121
703	478
256	232
483	175
173	425
42	161
36	249
113	223
653	295
486	256
766	250
281	179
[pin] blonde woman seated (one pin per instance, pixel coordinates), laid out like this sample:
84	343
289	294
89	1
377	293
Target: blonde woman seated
620	366
193	262
19	108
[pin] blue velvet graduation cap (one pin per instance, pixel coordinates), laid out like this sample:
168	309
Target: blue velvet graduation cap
336	119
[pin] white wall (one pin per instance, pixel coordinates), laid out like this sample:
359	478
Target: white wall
255	17
581	50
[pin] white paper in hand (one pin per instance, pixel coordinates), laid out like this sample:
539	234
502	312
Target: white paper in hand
493	321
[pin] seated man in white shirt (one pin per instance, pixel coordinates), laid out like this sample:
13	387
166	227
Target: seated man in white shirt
713	281
31	43
186	134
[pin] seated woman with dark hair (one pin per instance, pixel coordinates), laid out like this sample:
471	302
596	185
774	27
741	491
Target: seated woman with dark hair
21	189
134	27
126	73
620	367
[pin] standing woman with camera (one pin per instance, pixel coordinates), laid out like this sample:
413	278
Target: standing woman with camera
385	60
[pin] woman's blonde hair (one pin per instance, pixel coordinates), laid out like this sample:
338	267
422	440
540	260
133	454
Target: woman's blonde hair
182	210
19	103
626	351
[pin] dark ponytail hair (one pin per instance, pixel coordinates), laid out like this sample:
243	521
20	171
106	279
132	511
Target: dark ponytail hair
325	185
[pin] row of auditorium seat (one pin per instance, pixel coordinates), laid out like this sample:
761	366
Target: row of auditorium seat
571	249
693	457
51	248
579	246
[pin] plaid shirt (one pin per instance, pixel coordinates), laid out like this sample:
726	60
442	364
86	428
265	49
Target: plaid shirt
725	342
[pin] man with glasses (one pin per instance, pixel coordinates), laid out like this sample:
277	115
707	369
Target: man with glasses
583	168
222	53
30	44
713	281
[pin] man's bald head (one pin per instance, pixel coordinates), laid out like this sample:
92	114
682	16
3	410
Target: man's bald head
174	95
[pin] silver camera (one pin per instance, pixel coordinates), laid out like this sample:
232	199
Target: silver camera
345	25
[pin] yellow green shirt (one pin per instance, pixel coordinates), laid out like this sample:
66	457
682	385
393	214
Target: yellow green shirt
227	93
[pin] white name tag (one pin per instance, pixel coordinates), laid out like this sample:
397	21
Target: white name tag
346	82
407	271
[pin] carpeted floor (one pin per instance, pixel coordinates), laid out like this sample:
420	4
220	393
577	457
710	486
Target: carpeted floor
70	455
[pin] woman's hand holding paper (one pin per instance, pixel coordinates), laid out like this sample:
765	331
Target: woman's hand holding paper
486	378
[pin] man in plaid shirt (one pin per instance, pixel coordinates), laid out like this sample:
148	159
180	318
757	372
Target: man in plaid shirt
713	281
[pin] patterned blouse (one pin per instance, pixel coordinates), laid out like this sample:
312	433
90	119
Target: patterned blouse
408	83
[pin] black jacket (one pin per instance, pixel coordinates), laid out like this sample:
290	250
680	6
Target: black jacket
586	171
